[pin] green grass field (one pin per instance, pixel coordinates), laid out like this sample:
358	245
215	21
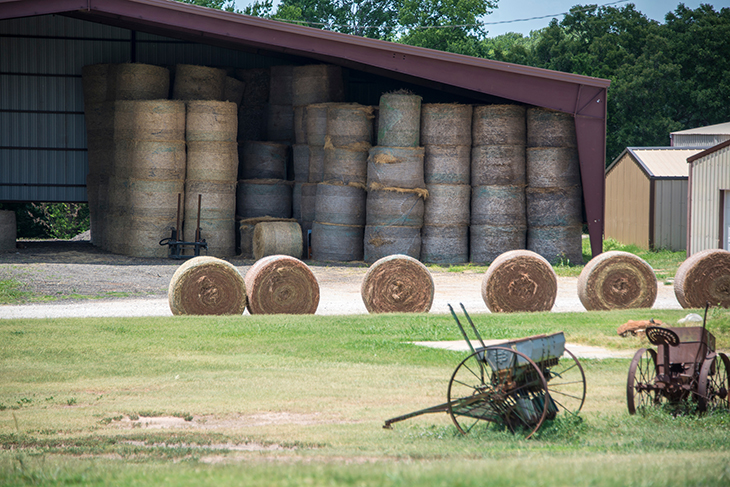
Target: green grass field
301	400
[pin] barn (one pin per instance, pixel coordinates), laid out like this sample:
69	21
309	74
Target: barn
46	44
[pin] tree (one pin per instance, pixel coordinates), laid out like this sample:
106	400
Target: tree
227	5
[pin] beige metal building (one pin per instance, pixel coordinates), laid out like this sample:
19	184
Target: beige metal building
705	137
709	199
646	197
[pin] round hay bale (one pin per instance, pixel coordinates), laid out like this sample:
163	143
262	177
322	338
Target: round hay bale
220	235
8	230
340	205
446	124
212	161
558	244
518	281
262	160
99	118
212	121
139	236
554	206
445	244
381	241
617	280
296	201
550	128
245	233
217	200
552	167
316	124
280	123
95	82
149	159
300	125
385	208
309	201
233	90
277	238
252	122
280	85
498	205
349	124
207	286
345	166
300	162
151	198
398	167
399	122
264	197
487	242
447	164
134	81
316	163
397	284
498	125
281	284
149	120
256	92
498	165
447	204
703	277
198	83
337	243
317	83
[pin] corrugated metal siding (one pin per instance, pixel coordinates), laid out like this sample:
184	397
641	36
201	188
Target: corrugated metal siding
627	203
698	140
710	176
665	162
670	214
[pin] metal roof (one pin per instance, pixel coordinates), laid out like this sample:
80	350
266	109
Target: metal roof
660	162
718	129
709	151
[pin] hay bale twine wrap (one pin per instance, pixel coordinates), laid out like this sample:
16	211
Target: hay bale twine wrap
315	121
397	284
277	238
280	85
135	81
317	83
498	205
207	286
519	280
8	230
387	207
617	280
487	242
149	159
300	162
447	204
256	80
337	243
300	125
399	120
95	82
162	120
703	277
558	243
316	163
252	122
281	284
198	83
246	228
398	167
447	164
445	244
446	124
550	128
349	123
233	90
211	120
280	123
498	125
554	206
552	167
340	204
212	161
264	197
498	165
381	241
262	160
345	166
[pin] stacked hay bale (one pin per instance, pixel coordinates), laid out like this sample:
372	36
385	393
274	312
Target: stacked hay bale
280	113
498	181
253	108
554	205
446	137
396	185
339	223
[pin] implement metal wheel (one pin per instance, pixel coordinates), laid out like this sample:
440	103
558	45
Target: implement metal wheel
712	390
498	385
566	383
640	390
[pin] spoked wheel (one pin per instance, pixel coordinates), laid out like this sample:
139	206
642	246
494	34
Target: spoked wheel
640	391
566	383
712	390
498	385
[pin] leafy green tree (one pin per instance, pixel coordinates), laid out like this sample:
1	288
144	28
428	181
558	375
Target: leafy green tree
227	5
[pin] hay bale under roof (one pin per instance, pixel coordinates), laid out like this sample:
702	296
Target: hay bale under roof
281	284
703	277
207	286
397	284
617	280
519	280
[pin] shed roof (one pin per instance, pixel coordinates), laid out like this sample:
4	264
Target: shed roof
707	152
717	129
660	162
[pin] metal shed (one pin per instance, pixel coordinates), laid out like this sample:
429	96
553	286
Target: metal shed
646	197
706	137
709	199
45	43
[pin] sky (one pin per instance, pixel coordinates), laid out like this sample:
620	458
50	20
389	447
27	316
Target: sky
513	10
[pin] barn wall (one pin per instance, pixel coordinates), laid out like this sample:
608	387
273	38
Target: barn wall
627	203
670	214
710	176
